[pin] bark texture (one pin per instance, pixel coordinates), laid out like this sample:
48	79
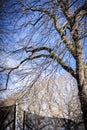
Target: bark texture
81	79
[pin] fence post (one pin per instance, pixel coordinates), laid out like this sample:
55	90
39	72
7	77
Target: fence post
19	117
14	117
24	120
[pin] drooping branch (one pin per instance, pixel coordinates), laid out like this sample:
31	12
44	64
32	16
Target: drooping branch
51	55
10	70
40	54
33	50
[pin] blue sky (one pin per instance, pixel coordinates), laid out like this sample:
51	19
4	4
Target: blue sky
39	35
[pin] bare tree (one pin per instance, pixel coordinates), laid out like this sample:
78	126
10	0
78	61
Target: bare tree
51	33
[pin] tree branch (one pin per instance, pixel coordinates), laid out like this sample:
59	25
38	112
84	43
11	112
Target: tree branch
53	56
63	37
33	56
64	6
59	29
82	8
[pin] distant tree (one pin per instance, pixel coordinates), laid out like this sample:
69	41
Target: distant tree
51	33
47	105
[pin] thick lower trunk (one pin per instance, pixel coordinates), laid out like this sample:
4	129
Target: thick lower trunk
83	100
82	84
80	75
82	90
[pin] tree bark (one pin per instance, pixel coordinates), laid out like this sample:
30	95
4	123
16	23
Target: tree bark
81	77
83	100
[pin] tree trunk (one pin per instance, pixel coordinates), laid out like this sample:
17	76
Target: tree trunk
83	98
83	101
81	78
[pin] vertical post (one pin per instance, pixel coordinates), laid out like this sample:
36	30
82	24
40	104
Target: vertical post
19	117
16	114
24	121
14	117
